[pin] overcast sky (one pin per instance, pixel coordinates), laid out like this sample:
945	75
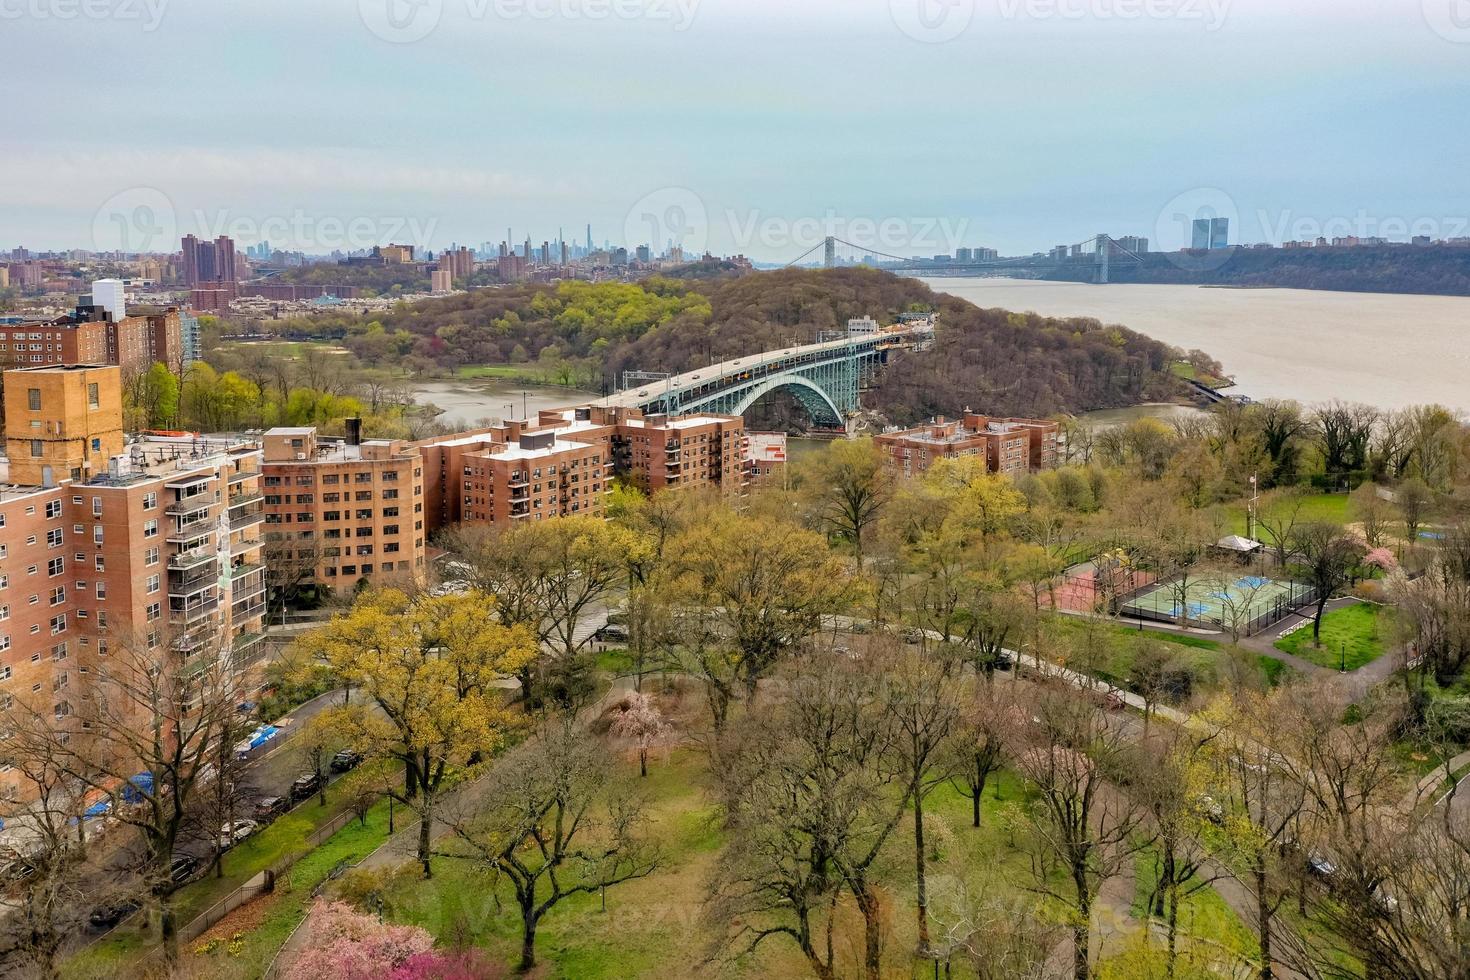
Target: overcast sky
906	126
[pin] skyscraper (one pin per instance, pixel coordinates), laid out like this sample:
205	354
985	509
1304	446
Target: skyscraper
1211	233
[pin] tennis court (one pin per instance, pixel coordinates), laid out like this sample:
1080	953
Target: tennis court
1250	601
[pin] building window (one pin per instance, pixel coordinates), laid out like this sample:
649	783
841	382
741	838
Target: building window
93	401
150	557
153	611
58	624
33	399
58	595
53	538
150	528
97	539
53	509
150	500
37	449
152	584
55	567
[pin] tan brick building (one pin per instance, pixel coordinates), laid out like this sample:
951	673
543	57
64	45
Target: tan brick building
62	422
356	507
155	545
1011	446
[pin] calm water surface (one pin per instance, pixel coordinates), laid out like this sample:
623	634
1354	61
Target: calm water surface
1312	345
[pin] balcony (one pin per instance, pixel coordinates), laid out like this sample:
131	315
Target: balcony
193	558
192	612
244	642
195	536
247	568
191	581
252	609
245	593
520	480
241	499
196	504
240	521
242	476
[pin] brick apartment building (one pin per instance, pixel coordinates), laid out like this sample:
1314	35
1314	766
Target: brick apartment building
365	509
1010	446
155	543
354	507
92	335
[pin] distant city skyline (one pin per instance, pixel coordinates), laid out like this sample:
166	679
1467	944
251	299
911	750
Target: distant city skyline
713	123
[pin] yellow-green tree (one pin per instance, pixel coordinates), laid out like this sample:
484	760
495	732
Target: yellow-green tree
428	667
758	588
847	485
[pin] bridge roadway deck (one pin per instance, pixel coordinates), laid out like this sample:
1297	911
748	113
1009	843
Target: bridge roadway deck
743	372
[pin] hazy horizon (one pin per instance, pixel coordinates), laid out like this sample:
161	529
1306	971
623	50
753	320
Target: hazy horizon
907	126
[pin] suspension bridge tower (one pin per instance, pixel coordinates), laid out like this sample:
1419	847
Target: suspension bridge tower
829	256
1103	244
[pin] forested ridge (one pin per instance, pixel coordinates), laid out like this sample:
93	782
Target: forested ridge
989	360
1440	270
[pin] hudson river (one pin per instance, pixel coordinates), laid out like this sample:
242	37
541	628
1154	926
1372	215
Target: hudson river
1382	349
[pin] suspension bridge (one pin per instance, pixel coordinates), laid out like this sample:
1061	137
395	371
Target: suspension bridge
1100	253
826	377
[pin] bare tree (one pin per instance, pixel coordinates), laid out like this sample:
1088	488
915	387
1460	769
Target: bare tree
923	698
812	793
551	823
977	750
1327	556
148	737
52	881
1082	827
1277	521
1265	803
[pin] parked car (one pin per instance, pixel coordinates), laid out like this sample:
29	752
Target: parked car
306	784
182	868
107	916
346	760
269	807
1321	867
236	831
911	635
611	633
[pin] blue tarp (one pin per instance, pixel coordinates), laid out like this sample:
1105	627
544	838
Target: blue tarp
135	787
98	809
262	735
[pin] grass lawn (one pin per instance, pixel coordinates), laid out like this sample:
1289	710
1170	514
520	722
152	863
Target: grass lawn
262	926
652	927
289	349
1203	916
1329	507
529	373
284	836
1357	628
1275	670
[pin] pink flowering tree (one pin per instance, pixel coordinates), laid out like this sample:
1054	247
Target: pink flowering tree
1381	558
467	964
344	944
637	719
